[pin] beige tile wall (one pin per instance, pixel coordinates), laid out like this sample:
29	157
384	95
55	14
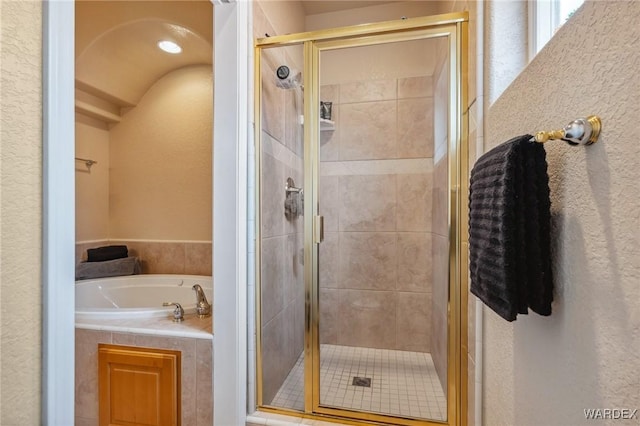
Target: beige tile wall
196	384
161	257
375	194
281	239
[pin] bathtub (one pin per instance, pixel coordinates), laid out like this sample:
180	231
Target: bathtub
137	296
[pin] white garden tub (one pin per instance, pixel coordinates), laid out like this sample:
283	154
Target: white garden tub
137	296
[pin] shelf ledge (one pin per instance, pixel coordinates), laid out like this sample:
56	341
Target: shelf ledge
327	125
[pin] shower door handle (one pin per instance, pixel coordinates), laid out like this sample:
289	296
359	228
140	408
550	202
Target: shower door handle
318	229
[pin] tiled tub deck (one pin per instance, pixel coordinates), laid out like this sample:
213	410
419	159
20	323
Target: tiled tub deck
193	338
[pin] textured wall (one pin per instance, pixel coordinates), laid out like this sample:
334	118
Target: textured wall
160	161
20	211
506	31
546	370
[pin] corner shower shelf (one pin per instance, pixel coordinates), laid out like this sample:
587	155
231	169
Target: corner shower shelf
325	125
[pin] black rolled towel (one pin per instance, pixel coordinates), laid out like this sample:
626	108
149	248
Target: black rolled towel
101	254
509	225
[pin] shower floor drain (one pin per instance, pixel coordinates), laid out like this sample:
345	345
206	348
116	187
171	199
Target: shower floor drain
362	381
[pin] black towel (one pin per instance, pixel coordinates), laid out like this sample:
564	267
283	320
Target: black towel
509	229
102	254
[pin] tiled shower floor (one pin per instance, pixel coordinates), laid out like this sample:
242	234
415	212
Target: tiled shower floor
402	383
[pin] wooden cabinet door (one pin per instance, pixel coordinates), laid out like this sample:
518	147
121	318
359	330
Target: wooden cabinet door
138	386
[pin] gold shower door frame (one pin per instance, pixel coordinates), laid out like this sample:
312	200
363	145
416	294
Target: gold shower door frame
454	27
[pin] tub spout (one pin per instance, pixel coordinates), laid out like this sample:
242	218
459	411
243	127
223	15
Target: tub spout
203	308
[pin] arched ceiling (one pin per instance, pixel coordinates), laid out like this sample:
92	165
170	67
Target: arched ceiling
125	61
117	57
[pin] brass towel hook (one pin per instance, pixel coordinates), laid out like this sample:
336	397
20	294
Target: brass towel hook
582	131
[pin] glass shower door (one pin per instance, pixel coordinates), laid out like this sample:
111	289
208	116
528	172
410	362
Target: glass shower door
360	224
383	266
280	238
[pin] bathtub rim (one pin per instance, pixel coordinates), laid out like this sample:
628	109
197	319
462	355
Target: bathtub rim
90	315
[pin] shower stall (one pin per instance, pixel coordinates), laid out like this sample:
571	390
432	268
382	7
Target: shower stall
361	228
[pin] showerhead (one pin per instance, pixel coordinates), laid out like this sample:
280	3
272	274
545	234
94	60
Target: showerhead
287	78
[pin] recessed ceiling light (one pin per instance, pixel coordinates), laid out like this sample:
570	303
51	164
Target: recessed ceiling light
169	46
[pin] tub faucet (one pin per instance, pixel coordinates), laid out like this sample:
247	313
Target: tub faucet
203	308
